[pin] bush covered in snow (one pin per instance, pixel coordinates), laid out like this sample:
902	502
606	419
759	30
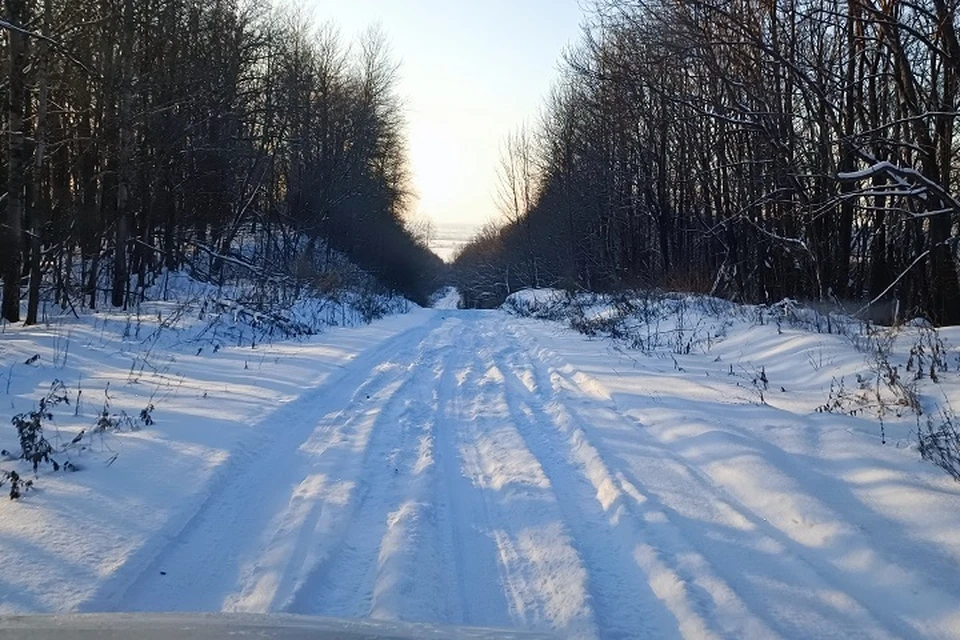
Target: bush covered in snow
545	304
897	361
643	320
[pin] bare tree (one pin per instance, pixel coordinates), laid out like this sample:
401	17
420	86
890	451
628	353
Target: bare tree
256	142
16	100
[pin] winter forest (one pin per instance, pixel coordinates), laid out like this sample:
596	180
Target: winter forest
144	135
751	150
264	367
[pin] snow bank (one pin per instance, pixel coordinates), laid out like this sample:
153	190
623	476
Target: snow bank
901	383
547	304
773	457
214	365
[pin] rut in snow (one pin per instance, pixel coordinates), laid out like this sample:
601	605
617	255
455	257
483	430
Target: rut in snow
468	471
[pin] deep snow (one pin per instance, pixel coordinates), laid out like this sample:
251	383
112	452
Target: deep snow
472	467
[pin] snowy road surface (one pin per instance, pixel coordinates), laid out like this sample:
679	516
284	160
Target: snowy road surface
481	469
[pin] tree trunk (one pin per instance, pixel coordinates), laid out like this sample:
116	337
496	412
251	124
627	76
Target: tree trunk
121	275
12	232
40	212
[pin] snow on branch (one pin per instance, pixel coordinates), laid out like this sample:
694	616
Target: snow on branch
906	182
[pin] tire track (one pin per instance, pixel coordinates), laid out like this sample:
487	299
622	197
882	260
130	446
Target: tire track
541	574
625	605
342	580
413	581
462	473
781	583
198	565
463	522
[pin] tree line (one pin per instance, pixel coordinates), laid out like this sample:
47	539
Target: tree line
755	149
145	135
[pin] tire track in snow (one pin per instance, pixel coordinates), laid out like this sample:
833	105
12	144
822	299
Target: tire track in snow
460	473
786	588
350	579
700	603
471	572
625	605
511	501
413	582
199	561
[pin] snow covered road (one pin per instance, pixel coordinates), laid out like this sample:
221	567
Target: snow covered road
482	469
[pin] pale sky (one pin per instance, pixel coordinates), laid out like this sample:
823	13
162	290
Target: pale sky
471	71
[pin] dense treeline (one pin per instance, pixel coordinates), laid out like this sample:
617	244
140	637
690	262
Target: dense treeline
757	150
152	134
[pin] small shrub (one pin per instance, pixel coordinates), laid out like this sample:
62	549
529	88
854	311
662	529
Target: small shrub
107	420
550	306
836	400
939	442
888	376
34	447
146	415
609	326
18	486
371	307
928	355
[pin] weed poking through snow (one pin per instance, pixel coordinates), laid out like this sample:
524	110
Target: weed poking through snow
34	446
18	486
939	443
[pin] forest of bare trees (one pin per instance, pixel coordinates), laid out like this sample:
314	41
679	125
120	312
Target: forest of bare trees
751	149
145	135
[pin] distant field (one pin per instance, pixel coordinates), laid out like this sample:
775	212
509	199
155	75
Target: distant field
451	236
